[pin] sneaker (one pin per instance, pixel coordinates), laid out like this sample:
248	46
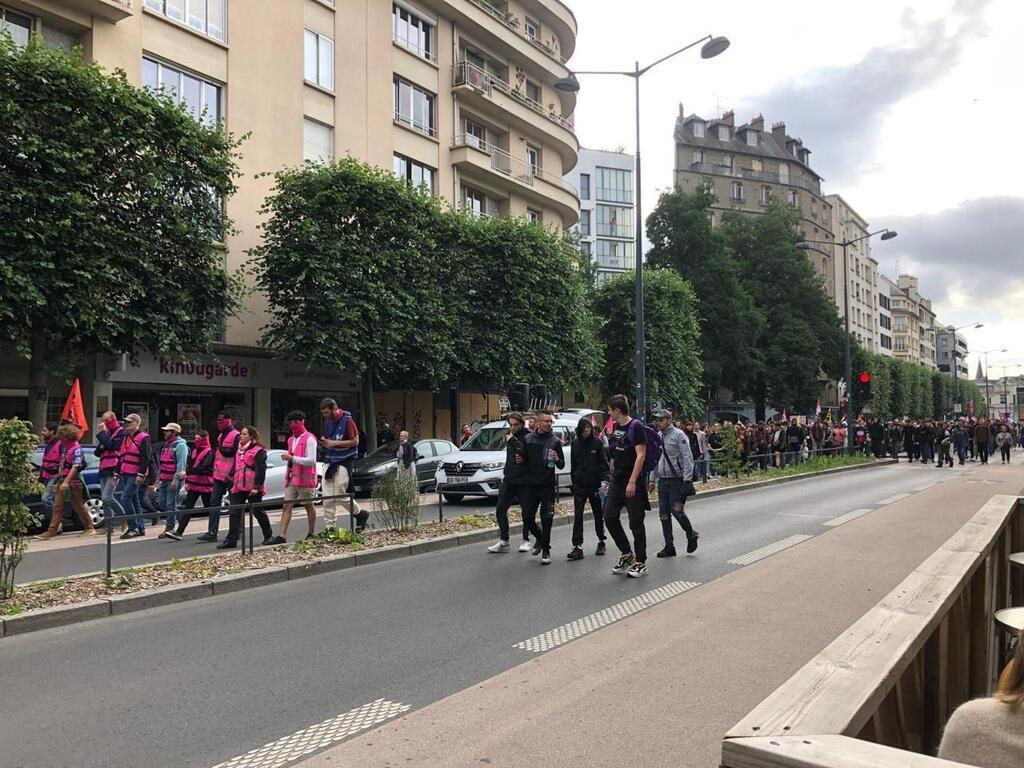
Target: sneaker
310	536
536	550
637	571
525	546
361	519
132	533
205	537
88	532
45	536
500	547
267	541
668	551
545	558
601	548
163	534
623	565
575	554
691	543
173	535
277	540
227	544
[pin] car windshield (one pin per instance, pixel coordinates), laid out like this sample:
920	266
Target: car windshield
486	439
387	450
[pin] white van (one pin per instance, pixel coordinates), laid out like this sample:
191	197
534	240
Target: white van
476	469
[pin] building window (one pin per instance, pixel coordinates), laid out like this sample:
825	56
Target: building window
615	254
412	32
585	248
698	156
901	343
793	197
475	202
783	173
885	322
533	216
900	323
698	129
200	97
723	133
614	185
19	27
414	107
727	162
585	223
736	192
476	134
59	38
533	159
766	195
207	16
614	221
885	341
317	141
415	173
319	60
532	28
584	186
751	138
533	91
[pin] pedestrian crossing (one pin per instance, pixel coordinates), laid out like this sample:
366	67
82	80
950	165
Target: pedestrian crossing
769	549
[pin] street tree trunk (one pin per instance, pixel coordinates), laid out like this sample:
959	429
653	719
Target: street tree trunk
370	409
38	383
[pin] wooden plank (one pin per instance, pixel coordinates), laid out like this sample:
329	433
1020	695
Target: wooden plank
821	751
982	637
910	698
936	671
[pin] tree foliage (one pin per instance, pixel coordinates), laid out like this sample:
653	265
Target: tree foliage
671	334
901	389
17	480
114	196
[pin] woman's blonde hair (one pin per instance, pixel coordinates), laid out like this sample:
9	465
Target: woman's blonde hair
1011	683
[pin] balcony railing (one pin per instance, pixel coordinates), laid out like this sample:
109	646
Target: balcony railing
511	21
614	229
750	173
513	167
412	122
467	73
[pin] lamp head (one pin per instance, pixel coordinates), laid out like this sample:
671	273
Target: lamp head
567	84
713	47
888	234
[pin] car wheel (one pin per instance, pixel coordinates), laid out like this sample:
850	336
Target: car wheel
429	487
94	508
453	498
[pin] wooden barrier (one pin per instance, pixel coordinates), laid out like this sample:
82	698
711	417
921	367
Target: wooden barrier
880	694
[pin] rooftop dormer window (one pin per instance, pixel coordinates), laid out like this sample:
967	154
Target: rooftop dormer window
697	126
723	133
751	137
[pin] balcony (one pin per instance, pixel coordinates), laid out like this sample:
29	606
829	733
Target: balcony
530	116
108	10
512	23
750	173
531	181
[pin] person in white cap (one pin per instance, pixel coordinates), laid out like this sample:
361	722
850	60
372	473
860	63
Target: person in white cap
173	458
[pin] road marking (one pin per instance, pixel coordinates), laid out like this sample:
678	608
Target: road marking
588	624
893	499
317	737
924	487
769	549
847	517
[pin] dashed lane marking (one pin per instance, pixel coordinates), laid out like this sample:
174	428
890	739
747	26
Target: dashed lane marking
893	499
317	737
769	549
576	629
847	517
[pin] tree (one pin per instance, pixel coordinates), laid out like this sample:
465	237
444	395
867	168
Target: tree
116	199
671	333
682	239
17	480
354	276
802	336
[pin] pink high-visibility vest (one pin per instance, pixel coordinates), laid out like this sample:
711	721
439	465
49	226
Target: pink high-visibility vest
298	475
223	465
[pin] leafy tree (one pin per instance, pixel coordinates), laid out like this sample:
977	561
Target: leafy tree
112	198
802	336
671	333
902	405
17	479
731	325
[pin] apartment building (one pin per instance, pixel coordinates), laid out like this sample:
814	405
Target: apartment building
861	274
748	167
884	293
951	348
913	324
457	95
607	214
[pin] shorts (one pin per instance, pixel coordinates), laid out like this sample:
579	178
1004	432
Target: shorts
295	493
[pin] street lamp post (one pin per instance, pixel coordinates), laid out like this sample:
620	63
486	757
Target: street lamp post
887	234
711	48
956	386
988	388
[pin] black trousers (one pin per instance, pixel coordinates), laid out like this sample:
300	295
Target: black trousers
190	502
580	497
507	496
235	516
220	487
945	455
636	507
1004	452
983	452
540	499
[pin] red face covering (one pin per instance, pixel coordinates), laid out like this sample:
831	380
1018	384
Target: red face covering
202	442
298	427
223	424
112	423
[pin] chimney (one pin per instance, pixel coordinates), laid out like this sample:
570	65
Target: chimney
758	123
729	118
779	132
682	112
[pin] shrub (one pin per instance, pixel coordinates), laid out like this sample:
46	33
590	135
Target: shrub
398	494
17	480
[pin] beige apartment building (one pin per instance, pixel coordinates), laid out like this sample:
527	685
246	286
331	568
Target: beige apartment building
861	274
457	95
913	323
748	167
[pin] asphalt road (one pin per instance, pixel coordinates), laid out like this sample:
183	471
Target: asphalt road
198	683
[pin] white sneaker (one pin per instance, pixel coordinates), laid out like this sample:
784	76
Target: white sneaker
501	546
525	546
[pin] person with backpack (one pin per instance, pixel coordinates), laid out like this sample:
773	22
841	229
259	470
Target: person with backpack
589	475
133	468
300	479
633	447
198	481
70	464
340	442
674	475
543	455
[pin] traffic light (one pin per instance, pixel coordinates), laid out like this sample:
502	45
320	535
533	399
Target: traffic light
862	389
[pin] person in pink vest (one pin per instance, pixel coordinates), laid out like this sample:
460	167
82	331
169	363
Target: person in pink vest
132	473
248	488
109	436
49	465
224	450
70	464
300	480
198	481
173	463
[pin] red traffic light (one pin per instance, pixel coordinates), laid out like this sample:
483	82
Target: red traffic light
864	377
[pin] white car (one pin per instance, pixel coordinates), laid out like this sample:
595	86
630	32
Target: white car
477	467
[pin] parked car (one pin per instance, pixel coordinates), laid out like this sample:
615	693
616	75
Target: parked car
432	451
277	468
477	468
90	476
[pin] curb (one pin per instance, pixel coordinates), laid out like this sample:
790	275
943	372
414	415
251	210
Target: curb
116	605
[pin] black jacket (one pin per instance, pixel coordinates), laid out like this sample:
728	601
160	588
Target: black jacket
589	464
539	474
408	455
516	474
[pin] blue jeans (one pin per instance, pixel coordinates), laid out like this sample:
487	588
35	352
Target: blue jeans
671	504
167	500
49	493
127	494
107	487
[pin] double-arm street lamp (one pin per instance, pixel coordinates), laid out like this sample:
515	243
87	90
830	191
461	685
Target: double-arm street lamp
711	48
956	387
887	234
988	395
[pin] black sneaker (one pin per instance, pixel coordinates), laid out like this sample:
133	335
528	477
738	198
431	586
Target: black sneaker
668	551
536	550
361	519
575	554
206	537
276	540
227	544
131	533
601	548
545	558
637	570
691	543
624	563
173	535
310	536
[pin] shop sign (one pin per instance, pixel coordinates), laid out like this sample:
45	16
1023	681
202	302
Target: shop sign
235	372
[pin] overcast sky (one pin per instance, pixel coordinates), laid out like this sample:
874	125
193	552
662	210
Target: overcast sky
912	112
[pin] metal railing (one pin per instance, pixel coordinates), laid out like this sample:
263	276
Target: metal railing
468	73
410	46
513	167
751	173
411	122
511	22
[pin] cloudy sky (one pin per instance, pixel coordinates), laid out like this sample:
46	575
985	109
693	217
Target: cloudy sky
899	103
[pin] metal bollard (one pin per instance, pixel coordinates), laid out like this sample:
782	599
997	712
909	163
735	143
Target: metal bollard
440	505
351	514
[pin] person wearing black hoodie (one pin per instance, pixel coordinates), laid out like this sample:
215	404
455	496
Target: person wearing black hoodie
543	455
513	483
589	474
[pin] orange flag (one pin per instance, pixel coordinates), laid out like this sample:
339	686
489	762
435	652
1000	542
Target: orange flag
74	411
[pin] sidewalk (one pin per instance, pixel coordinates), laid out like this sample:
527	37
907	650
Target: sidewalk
662	687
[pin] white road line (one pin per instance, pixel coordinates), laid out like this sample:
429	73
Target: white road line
924	487
893	499
317	737
847	517
588	624
769	549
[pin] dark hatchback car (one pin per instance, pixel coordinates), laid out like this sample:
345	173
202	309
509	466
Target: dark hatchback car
373	465
91	478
